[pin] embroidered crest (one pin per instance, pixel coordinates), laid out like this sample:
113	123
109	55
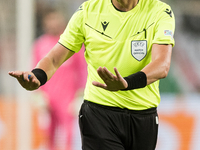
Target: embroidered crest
139	49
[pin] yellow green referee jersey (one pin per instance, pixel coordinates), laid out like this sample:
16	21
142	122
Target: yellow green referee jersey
123	40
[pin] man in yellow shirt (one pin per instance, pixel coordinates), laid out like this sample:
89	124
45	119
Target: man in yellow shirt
128	49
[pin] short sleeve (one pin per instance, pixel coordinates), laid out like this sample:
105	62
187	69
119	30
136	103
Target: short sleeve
165	27
73	38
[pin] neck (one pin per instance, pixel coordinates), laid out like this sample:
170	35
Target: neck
125	5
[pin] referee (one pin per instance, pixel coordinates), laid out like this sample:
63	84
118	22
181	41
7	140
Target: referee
128	49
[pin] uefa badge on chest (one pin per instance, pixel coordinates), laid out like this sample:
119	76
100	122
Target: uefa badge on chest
139	49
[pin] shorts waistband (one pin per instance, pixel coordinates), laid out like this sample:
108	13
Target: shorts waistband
125	110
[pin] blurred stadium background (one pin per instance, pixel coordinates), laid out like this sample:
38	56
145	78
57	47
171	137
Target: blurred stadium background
22	123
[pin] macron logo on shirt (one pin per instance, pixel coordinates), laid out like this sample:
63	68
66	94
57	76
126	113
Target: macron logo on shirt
104	25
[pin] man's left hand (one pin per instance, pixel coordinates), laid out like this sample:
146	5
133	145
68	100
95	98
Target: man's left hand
111	82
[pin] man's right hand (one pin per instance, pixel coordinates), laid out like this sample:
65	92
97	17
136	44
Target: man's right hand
26	79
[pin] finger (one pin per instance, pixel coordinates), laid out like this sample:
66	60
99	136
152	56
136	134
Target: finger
26	76
102	74
117	73
125	84
105	74
30	85
31	78
10	73
16	74
108	73
97	84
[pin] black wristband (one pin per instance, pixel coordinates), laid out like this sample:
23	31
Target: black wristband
40	75
136	81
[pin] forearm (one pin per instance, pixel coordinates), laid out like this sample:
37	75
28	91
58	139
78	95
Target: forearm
54	59
46	64
160	65
156	70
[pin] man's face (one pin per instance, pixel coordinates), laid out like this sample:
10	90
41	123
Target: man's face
54	23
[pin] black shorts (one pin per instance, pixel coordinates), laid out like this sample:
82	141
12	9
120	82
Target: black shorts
113	128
